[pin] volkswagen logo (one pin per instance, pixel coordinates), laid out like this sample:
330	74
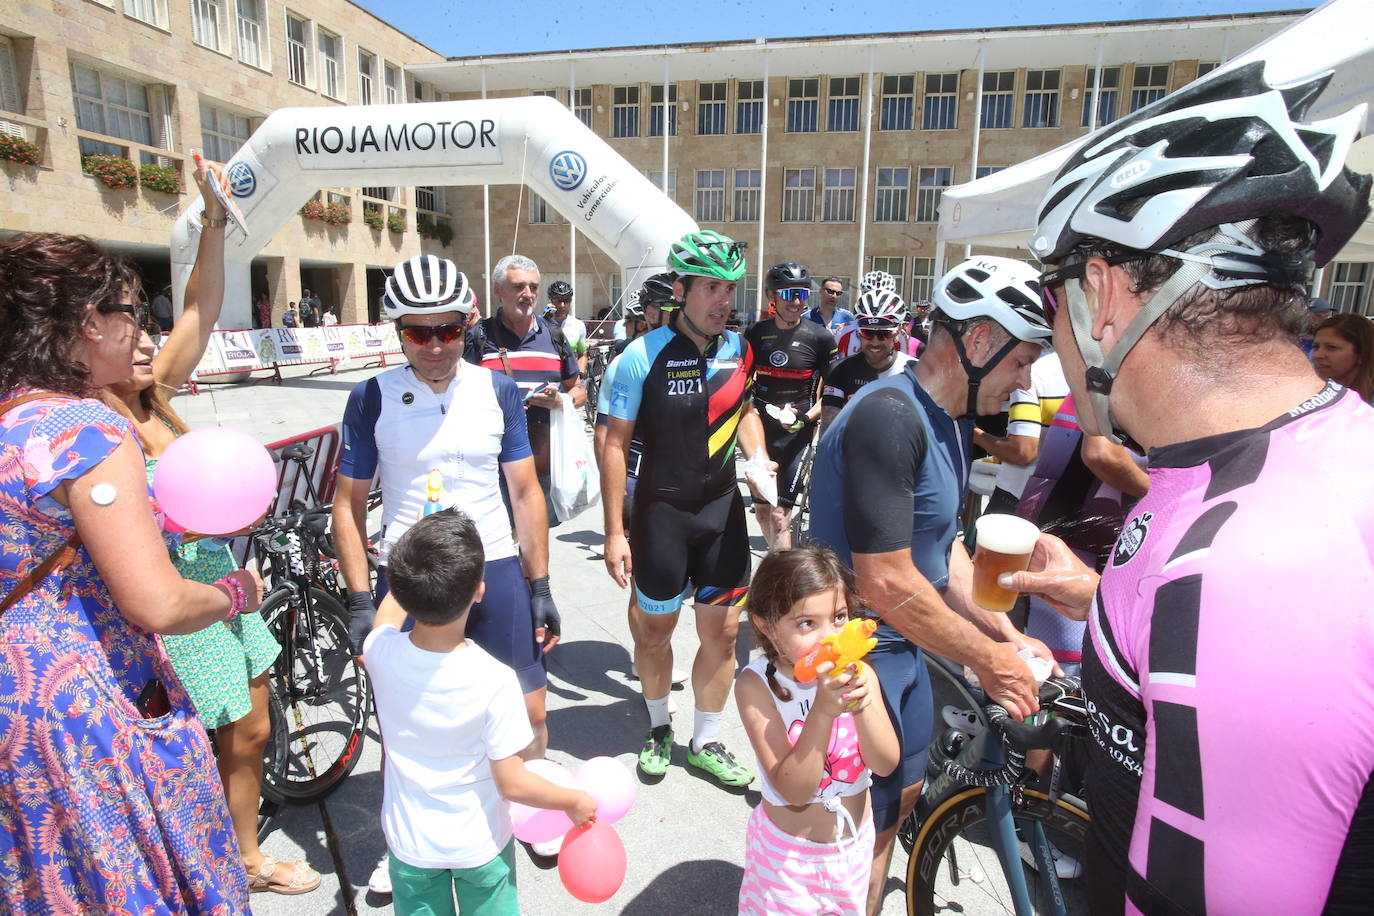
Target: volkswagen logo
567	170
242	181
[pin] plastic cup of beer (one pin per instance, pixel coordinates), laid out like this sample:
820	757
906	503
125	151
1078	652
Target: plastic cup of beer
1004	543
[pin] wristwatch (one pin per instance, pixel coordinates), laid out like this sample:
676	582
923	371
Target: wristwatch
215	223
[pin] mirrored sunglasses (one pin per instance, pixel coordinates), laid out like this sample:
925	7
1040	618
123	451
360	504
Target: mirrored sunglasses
421	335
794	294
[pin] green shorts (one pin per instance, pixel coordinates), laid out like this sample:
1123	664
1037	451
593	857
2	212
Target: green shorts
486	890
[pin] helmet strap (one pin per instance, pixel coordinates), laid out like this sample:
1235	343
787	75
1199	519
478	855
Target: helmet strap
975	374
691	326
1103	368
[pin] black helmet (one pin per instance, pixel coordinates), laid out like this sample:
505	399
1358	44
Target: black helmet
560	289
788	273
658	290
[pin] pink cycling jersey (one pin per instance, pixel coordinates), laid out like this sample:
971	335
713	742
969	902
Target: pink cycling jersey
1230	671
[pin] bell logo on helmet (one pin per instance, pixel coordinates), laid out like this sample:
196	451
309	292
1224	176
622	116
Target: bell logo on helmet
567	170
1131	174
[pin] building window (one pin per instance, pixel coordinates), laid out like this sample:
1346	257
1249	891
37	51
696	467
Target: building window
222	132
711	195
894	266
582	106
748	190
842	108
539	209
749	107
1041	107
205	23
932	183
898	103
657	107
798	195
940	111
250	25
922	280
837	198
1205	67
111	106
331	65
711	104
656	178
153	12
747	298
391	84
297	50
999	97
984	171
367	76
894	187
11	97
1350	288
428	198
1106	96
1149	84
545	93
803	105
625	114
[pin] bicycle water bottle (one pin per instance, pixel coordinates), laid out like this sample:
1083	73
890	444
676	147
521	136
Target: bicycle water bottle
434	491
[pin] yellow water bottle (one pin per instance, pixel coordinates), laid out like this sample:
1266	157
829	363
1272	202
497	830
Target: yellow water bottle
434	490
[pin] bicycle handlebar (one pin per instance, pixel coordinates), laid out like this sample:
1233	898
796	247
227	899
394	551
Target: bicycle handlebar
1019	737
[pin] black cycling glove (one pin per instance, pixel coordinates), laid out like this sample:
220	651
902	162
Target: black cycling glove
543	610
361	611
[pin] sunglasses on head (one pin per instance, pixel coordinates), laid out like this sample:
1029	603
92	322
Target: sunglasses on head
794	294
421	334
870	334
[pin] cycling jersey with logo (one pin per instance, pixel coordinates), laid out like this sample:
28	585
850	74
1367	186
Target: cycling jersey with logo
851	374
789	361
686	406
1230	672
1032	409
603	412
396	422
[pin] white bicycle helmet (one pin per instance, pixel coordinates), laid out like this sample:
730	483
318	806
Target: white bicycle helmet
879	309
1001	289
877	279
426	284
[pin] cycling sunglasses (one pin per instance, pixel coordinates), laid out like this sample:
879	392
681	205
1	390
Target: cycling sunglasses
794	293
1075	271
868	334
421	335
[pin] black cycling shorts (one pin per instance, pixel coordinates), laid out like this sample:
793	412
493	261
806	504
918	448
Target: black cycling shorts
673	543
790	452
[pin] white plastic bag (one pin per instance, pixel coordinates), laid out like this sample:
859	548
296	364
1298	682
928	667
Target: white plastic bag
574	484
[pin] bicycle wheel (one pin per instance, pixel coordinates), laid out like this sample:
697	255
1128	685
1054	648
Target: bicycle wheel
953	866
273	763
324	693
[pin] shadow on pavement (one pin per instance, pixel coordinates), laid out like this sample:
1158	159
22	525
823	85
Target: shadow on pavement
701	887
585	731
592	665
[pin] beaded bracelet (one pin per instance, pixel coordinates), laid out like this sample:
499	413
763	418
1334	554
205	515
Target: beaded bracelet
238	596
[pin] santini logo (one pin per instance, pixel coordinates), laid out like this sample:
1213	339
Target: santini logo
567	170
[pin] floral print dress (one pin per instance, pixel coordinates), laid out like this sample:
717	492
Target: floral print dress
101	809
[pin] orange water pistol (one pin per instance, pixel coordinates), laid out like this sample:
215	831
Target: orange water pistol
844	648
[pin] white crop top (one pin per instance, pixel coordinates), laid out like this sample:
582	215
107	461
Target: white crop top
845	771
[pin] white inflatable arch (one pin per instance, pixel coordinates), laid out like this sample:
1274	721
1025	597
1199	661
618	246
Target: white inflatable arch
298	151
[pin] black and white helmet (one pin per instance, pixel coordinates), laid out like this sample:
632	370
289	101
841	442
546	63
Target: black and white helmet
879	310
426	284
1223	150
877	279
1004	290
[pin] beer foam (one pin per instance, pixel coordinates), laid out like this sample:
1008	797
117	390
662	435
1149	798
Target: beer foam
1006	534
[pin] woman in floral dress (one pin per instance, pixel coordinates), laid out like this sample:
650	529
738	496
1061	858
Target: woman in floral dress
224	666
109	799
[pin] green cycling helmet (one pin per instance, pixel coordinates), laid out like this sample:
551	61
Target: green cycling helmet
708	254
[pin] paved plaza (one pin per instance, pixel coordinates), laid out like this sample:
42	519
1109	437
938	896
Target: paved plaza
684	836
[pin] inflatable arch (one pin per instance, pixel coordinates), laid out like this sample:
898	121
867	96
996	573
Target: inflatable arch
298	151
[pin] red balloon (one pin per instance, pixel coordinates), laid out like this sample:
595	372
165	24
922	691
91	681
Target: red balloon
592	862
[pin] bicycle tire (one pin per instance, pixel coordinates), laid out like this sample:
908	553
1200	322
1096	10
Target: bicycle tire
963	815
273	763
326	710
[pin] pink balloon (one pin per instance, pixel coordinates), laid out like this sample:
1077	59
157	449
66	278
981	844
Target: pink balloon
610	783
592	862
215	480
539	825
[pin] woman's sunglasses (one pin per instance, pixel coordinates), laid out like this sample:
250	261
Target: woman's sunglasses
421	335
143	315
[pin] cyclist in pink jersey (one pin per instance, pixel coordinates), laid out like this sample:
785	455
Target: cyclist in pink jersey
1229	668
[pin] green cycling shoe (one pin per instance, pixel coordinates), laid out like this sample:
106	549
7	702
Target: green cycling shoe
720	764
657	752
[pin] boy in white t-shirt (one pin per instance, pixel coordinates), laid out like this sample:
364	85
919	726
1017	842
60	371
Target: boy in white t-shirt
453	722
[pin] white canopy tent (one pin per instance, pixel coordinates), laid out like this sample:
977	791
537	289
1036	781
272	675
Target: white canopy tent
999	210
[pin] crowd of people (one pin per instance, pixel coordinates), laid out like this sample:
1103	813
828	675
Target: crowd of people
1182	456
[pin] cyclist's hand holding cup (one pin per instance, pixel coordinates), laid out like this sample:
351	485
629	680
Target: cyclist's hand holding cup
1057	575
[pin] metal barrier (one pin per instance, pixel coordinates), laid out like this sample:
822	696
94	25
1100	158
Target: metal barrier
321	467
